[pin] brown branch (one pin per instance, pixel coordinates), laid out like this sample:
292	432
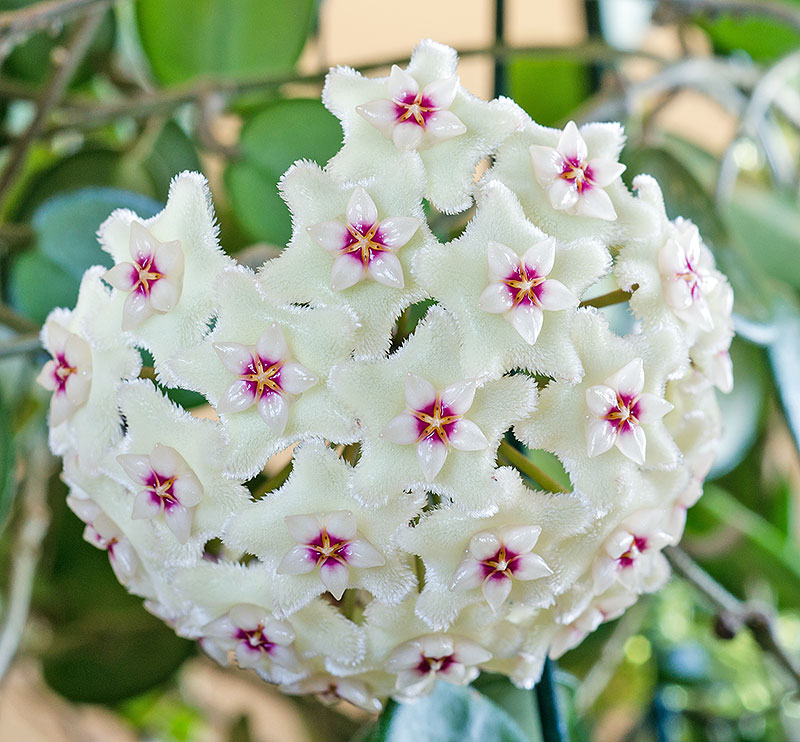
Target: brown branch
35	17
51	96
606	300
732	612
148	104
17	322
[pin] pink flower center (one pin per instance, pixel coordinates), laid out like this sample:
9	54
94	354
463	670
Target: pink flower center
255	639
693	279
625	415
145	273
262	376
327	547
62	371
437	419
162	490
434	664
629	557
577	172
415	108
524	285
501	565
362	241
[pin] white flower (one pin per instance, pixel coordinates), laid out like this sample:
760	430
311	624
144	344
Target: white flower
618	409
330	689
573	182
434	422
420	661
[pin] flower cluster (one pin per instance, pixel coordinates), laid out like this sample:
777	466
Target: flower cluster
401	547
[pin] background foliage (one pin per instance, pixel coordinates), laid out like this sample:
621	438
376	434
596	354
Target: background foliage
101	103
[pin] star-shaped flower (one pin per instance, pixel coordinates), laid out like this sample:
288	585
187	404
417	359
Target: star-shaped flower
424	109
153	280
313	536
568	182
573	182
264	369
169	488
330	689
344	232
363	246
511	320
89	362
166	268
257	638
619	409
329	542
382	395
435	422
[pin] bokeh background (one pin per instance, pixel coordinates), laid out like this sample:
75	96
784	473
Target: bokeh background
101	103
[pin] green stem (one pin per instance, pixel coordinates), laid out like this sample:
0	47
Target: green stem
17	322
522	463
275	481
606	300
553	727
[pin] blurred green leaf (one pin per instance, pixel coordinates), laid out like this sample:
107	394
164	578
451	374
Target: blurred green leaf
767	225
761	38
742	408
451	713
7	489
518	702
66	245
270	142
784	356
172	153
187	39
549	89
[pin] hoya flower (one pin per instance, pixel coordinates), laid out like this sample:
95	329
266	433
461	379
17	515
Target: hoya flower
496	559
331	689
573	182
165	269
414	118
169	488
266	375
508	322
153	280
423	110
434	422
412	442
329	543
631	554
68	375
257	639
419	662
352	246
618	411
363	246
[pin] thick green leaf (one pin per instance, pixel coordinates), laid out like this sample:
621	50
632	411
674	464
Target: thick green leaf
518	702
549	89
450	714
270	142
172	153
186	39
767	225
762	38
37	284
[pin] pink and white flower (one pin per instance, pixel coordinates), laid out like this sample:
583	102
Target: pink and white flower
267	377
331	689
68	375
331	543
363	246
520	290
687	275
617	411
631	554
572	181
420	661
169	488
154	279
435	421
103	533
414	118
495	559
258	640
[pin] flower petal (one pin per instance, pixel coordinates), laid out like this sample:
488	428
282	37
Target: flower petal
431	455
600	399
547	163
137	467
571	144
652	408
519	539
469	574
444	125
555	296
420	393
530	566
459	396
164	294
402	84
495	299
503	261
340	524
468	652
234	356
297	561
188	490
179	521
540	257
385	268
600	437
396	231
381	113
629	380
334	576
145	505
274	411
304	529
467	436
361	210
633	443
61	409
361	554
47	376
527	320
484	545
407	135
296	378
441	92
271	345
563	194
142	243
77	388
346	272
402	429
122	276
330	235
604	171
237	397
135	310
169	259
595	203
495	590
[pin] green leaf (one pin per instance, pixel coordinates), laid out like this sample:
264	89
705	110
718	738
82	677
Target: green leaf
767	225
270	142
172	153
784	357
66	245
549	89
7	489
187	39
518	702
761	38
451	713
